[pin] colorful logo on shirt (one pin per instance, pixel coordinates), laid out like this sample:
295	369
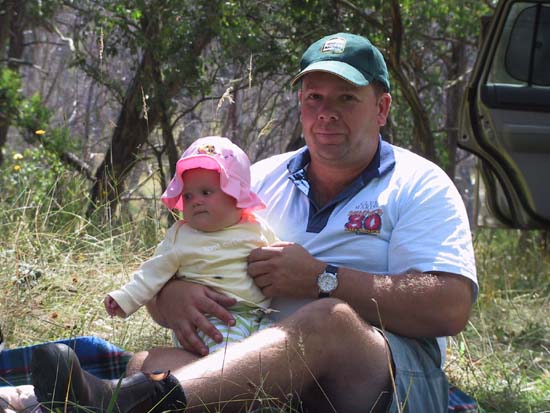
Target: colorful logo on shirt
364	222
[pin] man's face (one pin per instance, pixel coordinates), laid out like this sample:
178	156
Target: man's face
340	121
206	207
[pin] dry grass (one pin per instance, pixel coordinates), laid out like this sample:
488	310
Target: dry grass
53	283
503	357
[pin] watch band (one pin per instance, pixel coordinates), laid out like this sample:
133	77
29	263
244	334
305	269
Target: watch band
333	269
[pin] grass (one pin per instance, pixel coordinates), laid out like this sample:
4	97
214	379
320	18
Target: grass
53	280
503	357
56	266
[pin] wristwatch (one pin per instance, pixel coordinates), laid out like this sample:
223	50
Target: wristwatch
327	281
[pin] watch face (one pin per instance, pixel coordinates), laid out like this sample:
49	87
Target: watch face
327	282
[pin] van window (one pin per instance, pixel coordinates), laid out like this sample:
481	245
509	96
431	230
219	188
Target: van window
520	58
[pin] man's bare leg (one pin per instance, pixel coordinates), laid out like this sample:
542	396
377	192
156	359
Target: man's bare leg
161	358
324	352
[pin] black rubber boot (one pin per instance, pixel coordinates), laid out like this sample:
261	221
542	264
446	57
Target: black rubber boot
61	384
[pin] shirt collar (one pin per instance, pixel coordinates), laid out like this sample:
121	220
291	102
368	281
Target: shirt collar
382	162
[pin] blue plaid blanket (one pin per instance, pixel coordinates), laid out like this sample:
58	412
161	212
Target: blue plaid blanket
96	356
107	361
460	402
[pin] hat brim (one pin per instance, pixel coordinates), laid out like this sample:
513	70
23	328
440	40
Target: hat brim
196	162
337	68
173	199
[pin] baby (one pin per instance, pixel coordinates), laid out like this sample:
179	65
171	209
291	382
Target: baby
211	244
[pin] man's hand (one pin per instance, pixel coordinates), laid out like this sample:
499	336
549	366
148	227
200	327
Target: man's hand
182	306
285	269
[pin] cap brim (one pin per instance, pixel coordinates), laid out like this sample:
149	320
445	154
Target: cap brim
337	68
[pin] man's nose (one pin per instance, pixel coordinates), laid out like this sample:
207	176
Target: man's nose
327	112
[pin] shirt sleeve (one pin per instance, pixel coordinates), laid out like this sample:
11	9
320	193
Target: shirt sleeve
151	276
432	232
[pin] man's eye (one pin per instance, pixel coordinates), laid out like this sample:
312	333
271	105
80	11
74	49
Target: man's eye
314	96
347	98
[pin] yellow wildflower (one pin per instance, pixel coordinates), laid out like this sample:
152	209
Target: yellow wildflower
40	132
17	156
16	168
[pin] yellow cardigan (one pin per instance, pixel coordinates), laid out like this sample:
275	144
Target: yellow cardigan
216	259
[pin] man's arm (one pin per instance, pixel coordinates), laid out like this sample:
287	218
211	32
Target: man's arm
415	304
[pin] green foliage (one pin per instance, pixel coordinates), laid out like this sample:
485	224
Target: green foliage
39	12
57	140
10	94
30	115
33	115
37	180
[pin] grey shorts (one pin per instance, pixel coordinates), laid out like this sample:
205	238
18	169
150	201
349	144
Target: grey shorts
421	385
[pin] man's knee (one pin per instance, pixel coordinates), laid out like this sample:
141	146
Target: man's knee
349	348
329	315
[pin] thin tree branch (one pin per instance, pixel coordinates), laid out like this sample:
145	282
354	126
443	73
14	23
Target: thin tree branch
369	16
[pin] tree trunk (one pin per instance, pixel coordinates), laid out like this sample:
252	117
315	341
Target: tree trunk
423	139
12	23
167	131
132	129
422	132
6	17
456	70
136	122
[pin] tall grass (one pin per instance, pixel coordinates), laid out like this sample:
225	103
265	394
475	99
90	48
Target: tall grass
503	357
56	266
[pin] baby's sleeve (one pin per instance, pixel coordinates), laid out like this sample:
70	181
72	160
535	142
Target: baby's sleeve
151	276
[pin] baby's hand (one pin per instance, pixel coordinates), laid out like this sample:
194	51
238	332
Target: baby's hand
112	307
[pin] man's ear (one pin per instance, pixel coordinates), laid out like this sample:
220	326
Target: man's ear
384	104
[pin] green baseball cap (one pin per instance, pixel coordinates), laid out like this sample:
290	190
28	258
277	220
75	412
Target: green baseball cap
348	56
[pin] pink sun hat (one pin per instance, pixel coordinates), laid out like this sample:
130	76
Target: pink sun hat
218	154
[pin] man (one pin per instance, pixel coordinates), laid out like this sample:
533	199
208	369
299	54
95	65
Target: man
380	265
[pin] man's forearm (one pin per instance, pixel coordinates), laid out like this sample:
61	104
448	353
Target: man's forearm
415	305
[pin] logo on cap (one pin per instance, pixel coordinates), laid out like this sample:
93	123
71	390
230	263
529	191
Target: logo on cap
334	45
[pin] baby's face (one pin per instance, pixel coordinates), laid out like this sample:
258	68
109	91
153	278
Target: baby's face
206	207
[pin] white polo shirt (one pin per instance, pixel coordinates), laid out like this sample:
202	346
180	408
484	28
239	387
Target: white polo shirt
403	213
